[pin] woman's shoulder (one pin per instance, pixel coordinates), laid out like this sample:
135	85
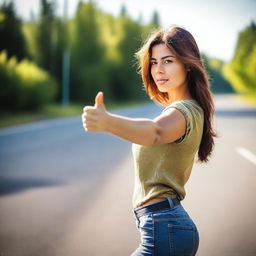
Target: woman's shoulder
187	105
194	116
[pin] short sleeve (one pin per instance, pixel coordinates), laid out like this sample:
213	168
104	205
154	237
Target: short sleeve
188	117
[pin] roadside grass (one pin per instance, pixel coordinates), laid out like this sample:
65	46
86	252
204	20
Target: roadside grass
11	118
250	98
51	111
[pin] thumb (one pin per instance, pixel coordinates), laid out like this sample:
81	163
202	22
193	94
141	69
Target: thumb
99	100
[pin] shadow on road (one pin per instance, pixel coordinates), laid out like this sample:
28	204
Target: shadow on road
14	185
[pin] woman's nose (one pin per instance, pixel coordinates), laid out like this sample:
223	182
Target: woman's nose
159	68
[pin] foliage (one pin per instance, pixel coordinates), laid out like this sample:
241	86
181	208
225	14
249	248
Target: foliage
11	32
155	20
23	84
101	48
124	80
241	71
44	36
87	54
215	71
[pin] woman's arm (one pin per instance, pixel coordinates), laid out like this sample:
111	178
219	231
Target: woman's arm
167	127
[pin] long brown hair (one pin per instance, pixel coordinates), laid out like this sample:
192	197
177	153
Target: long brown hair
184	46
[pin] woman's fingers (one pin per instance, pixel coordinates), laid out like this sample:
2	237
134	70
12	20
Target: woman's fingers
90	122
89	116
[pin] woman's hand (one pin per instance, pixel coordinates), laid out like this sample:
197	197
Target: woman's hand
95	118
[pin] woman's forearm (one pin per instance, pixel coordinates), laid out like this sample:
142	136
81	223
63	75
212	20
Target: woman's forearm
136	130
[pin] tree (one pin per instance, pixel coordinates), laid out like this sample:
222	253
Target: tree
155	22
87	54
241	71
24	85
12	39
45	34
51	37
219	83
126	82
123	11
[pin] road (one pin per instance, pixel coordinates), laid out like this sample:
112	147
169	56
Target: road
64	192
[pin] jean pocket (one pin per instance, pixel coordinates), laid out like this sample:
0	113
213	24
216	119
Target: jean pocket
184	240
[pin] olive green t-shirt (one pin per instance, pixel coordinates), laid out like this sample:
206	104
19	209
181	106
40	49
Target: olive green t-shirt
162	170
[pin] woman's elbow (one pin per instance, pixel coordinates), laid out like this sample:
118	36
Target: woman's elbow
154	139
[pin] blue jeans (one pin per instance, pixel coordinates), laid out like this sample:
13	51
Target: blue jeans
168	232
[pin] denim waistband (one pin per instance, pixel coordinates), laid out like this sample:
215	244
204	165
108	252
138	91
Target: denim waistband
168	203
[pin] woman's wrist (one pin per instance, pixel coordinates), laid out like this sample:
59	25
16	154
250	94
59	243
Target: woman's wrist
109	122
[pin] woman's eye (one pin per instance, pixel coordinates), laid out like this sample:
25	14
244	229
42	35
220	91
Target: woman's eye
167	61
153	63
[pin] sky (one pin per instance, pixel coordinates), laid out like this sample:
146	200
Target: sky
215	24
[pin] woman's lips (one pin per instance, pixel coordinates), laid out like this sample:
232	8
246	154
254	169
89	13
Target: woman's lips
161	81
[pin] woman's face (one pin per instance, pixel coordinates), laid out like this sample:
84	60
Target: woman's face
167	71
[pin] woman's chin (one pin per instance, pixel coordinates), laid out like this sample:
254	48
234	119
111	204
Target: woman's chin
161	89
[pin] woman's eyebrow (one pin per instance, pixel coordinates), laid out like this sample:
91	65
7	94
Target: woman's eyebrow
165	57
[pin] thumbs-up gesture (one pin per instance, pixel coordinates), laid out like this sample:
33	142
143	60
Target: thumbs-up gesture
95	117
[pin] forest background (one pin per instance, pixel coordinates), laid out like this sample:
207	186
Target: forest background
52	66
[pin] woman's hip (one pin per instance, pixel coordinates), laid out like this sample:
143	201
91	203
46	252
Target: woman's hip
168	231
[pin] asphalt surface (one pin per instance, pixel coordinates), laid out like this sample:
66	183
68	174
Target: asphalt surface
64	192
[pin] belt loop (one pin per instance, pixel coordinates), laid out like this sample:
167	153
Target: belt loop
136	215
170	202
137	218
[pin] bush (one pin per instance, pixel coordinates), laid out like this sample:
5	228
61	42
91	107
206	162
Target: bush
23	85
241	70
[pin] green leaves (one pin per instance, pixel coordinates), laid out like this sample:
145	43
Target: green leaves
23	84
101	48
241	71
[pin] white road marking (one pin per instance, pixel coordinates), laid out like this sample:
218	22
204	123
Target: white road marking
246	154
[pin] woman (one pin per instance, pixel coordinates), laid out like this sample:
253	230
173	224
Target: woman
165	147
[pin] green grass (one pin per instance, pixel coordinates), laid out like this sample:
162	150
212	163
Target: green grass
10	118
250	98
